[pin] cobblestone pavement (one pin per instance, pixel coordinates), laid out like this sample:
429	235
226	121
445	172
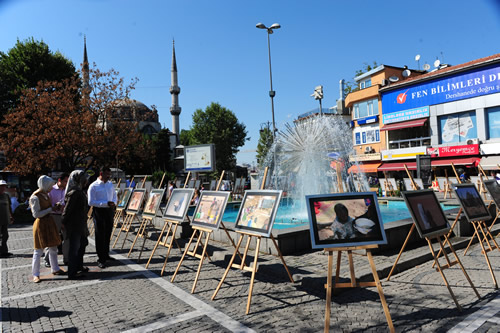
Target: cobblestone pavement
127	297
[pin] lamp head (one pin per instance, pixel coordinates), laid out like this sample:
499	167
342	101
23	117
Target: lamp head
275	26
261	26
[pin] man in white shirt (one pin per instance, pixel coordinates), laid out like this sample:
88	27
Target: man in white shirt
102	196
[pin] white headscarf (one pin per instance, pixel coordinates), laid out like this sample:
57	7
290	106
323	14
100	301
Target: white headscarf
45	183
76	181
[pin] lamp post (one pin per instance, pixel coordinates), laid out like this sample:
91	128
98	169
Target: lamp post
272	93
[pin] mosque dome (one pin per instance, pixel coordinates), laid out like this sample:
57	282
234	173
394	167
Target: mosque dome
134	110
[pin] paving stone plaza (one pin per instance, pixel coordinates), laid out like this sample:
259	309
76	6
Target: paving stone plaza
127	297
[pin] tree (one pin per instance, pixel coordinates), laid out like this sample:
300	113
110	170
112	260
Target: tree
160	144
26	64
59	125
265	143
219	126
351	86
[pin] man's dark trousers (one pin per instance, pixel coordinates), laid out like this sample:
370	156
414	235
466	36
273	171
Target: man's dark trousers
103	220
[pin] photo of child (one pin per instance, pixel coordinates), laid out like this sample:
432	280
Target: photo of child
136	200
153	202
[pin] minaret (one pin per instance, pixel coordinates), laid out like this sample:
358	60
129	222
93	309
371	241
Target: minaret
175	109
85	68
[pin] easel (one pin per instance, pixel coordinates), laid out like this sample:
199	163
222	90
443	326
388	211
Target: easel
447	185
388	186
480	185
353	284
166	242
413	184
187	180
117	220
243	265
198	234
126	226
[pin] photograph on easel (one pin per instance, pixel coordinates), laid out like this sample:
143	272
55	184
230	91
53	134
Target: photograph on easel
427	214
124	198
494	190
471	202
344	219
210	209
136	199
258	211
178	204
153	202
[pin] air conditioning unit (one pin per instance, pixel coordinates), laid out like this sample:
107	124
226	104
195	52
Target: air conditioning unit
384	82
473	141
368	149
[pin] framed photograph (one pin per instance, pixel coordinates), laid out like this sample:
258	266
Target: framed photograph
153	202
471	202
136	199
210	209
258	211
178	204
344	219
494	190
124	198
427	214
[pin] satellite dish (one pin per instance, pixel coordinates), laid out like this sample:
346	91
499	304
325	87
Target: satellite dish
394	79
406	73
427	67
417	57
437	63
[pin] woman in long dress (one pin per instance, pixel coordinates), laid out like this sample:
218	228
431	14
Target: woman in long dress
45	234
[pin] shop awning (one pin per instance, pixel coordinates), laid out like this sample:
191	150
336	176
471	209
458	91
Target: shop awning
467	161
366	168
490	162
406	124
397	166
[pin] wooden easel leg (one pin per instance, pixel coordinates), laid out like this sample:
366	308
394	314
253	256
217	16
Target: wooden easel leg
139	234
441	272
228	268
486	232
144	236
186	250
401	251
254	269
230	239
201	261
282	259
486	257
380	291
447	240
116	220
329	288
479	227
337	269
463	270
470	242
351	269
129	225
156	245
172	239
125	222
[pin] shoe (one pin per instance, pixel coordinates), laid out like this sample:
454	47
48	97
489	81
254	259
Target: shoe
111	258
101	265
47	264
85	269
60	272
36	279
6	255
77	276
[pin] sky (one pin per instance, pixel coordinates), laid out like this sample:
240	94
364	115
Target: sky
222	57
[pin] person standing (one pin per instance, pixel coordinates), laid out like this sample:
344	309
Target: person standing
45	234
57	201
102	197
74	221
5	219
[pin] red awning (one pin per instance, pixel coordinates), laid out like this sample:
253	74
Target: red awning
397	166
468	161
406	124
366	168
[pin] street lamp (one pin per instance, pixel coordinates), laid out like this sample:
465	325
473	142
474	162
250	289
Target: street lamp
272	93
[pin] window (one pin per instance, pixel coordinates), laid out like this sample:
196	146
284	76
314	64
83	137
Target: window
366	134
366	109
458	127
365	84
493	122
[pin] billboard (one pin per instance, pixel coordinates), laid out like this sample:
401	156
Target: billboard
199	158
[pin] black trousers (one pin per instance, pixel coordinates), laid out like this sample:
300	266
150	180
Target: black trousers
103	221
4	230
77	244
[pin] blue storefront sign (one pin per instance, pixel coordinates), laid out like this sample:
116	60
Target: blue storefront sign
473	83
395	117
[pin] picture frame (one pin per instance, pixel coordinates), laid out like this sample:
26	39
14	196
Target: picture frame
210	209
178	204
471	202
494	190
426	212
153	202
124	198
257	212
136	198
362	223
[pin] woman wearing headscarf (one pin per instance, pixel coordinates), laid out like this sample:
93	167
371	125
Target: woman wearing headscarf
74	220
45	234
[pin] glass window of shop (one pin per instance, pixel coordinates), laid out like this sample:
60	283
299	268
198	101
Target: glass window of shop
493	122
366	108
409	137
458	127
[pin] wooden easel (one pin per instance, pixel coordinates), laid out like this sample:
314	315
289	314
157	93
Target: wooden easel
146	222
413	184
353	284
448	265
242	265
126	226
388	186
187	180
447	185
117	220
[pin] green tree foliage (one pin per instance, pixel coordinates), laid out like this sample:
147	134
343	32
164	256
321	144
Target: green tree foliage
160	145
265	143
351	86
219	126
23	66
186	138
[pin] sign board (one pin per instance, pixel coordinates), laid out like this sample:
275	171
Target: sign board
424	170
402	154
199	158
364	157
405	115
453	150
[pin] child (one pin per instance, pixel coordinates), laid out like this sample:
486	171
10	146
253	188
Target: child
342	226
